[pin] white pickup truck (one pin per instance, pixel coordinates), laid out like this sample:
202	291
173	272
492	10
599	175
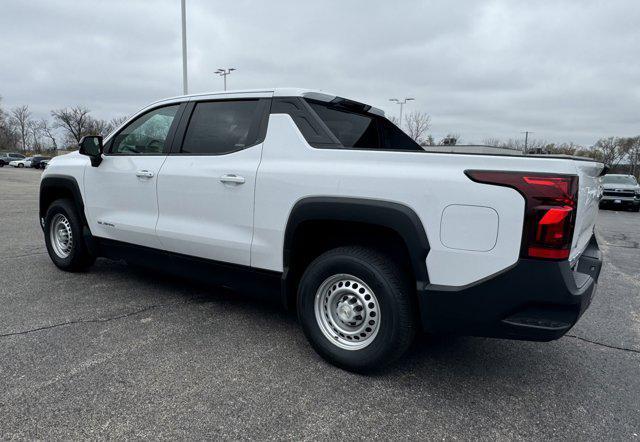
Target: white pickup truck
323	202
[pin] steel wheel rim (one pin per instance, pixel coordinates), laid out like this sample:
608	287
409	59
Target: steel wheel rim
347	311
61	235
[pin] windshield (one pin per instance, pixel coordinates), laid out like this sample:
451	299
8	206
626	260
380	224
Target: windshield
619	179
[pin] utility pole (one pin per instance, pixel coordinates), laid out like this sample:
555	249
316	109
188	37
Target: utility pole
401	103
526	140
185	86
223	73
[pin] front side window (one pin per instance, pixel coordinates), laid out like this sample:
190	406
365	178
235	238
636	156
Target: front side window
220	127
146	135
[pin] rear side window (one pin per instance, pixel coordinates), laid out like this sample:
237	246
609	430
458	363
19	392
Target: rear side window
352	129
220	127
394	138
363	130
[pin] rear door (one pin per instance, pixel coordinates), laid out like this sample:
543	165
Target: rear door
121	202
206	187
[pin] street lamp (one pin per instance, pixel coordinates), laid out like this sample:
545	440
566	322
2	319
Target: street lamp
526	141
185	86
401	103
223	73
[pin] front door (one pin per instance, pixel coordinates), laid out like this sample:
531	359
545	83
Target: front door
121	200
206	186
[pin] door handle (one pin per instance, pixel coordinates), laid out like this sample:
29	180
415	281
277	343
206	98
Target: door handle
231	178
144	174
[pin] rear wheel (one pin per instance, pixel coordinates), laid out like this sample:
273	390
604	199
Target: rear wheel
64	239
20	165
356	308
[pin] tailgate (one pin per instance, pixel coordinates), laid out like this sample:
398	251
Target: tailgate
588	200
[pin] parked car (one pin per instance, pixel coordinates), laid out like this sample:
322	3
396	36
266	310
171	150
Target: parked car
324	203
7	158
37	162
24	162
622	191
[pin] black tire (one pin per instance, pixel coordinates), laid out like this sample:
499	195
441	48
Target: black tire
78	258
635	209
20	165
392	288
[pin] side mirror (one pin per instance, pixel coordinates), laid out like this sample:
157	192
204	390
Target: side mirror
91	146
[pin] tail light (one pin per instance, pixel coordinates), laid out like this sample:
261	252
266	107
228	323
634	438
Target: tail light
550	209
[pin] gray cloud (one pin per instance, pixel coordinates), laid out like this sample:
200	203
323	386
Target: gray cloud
565	70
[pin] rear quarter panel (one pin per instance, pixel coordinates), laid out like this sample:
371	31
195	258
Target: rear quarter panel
428	183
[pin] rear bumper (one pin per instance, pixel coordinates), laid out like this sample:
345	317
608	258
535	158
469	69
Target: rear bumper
534	300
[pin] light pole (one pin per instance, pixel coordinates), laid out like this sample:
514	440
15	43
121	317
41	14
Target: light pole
526	140
223	73
185	86
401	103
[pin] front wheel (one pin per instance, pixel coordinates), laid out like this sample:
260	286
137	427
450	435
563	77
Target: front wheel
64	239
356	308
20	165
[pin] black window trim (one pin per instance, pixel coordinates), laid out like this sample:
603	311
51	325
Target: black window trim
170	135
259	125
313	119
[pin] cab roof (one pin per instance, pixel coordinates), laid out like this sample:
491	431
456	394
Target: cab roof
271	92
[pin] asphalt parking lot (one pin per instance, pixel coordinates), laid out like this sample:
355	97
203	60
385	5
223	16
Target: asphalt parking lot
120	353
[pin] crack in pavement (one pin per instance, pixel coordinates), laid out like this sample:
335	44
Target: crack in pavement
97	320
614	347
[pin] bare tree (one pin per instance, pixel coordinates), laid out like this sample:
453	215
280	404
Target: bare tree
104	127
116	122
493	142
631	147
75	122
21	117
562	148
610	150
634	156
591	152
418	124
35	131
47	131
8	135
429	141
99	127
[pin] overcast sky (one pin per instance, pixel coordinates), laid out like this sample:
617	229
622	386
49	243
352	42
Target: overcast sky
566	70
